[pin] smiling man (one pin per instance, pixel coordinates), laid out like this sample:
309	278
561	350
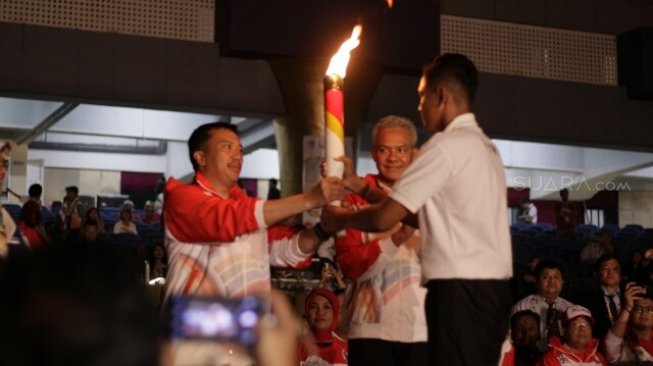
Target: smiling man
220	241
388	325
457	187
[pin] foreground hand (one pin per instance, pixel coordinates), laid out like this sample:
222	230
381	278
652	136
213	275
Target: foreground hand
327	190
351	181
401	235
332	216
633	293
277	345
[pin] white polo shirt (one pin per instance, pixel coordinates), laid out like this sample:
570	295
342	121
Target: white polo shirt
457	186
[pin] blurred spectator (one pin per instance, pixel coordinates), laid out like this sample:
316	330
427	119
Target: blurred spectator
7	224
331	277
33	194
565	215
129	205
528	212
31	227
525	282
125	225
158	190
273	192
158	262
93	216
633	269
73	211
151	216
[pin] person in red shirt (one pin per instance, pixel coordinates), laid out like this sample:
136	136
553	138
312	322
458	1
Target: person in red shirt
322	309
577	347
31	227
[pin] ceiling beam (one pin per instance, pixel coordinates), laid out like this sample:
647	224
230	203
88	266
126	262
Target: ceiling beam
47	122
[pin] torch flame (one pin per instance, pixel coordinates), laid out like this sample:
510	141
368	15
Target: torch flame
390	3
339	61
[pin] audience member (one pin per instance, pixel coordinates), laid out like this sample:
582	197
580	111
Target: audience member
528	212
125	224
220	242
522	349
7	224
466	251
151	217
91	235
629	341
158	190
590	254
387	325
577	347
322	309
633	270
273	192
129	205
93	216
331	277
33	194
525	282
31	227
565	215
604	300
73	211
158	262
547	303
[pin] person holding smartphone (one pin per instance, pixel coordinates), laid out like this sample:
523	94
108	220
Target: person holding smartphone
630	340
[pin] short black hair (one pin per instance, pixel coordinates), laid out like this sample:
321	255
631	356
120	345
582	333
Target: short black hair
550	264
202	134
604	258
73	189
519	314
35	190
452	67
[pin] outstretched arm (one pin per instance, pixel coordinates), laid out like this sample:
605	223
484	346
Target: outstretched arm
327	190
375	218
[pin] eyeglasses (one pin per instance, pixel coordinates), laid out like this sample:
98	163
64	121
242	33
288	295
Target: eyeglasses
579	324
643	310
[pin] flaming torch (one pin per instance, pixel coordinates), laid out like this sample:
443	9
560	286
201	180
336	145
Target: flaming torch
334	103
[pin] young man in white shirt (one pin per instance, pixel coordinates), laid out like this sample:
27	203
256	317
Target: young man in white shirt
457	186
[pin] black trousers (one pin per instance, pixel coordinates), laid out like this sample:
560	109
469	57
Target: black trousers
467	321
378	352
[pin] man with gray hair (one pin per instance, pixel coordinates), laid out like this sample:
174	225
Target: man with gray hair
388	324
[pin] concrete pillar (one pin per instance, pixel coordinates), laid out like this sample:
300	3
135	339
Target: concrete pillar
301	82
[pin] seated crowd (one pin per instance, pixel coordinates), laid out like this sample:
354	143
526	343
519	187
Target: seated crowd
597	312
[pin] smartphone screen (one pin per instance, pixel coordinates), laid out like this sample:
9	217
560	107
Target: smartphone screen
218	319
